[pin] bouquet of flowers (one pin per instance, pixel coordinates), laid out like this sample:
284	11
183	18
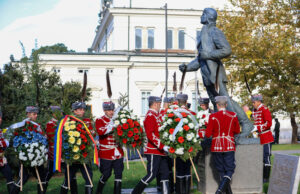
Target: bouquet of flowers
77	146
128	131
202	117
179	131
31	145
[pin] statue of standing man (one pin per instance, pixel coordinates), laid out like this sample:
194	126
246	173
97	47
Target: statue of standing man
213	47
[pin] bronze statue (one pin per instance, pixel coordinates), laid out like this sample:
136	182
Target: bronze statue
213	47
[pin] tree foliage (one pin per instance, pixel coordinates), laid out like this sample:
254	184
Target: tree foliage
264	36
27	83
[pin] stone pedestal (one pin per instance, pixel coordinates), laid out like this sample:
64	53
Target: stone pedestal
248	176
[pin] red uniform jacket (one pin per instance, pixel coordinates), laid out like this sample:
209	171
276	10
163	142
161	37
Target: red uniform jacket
50	132
151	125
89	124
109	149
222	126
263	121
3	146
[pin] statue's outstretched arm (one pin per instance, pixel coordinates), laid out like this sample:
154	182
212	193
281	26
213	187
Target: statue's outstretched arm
222	50
193	65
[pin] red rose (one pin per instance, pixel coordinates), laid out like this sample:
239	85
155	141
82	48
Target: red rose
203	116
27	122
136	137
184	114
120	132
136	124
30	129
171	130
133	144
79	125
130	134
84	154
124	141
16	133
119	127
129	121
185	127
79	130
170	115
171	150
205	123
180	139
131	124
24	130
177	120
82	147
141	129
191	149
135	130
125	126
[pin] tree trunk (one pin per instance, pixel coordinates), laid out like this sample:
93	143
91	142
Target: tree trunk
294	127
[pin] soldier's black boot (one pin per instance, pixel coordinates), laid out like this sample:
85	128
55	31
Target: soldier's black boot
16	189
228	189
139	188
223	185
187	184
74	189
63	190
46	186
117	187
180	185
171	183
266	173
88	189
158	185
100	187
165	187
10	187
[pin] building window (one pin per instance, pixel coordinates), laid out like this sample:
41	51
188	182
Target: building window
145	105
56	70
181	39
170	39
83	70
138	38
193	105
150	38
198	32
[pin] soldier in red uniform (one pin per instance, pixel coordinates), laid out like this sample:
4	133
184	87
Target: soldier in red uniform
78	109
4	167
183	169
110	153
262	123
222	126
154	150
51	127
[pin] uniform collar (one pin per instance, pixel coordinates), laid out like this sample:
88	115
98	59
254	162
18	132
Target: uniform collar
261	105
222	109
151	109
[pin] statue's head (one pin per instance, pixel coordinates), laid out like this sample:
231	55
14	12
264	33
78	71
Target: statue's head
209	16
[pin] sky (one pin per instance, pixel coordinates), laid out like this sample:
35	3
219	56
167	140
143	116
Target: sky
72	22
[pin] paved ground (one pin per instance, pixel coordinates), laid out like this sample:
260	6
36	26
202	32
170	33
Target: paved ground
147	191
286	152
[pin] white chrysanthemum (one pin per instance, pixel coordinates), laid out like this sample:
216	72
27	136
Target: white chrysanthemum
194	140
185	120
123	120
33	163
171	138
117	122
169	121
165	135
122	115
189	136
191	125
30	156
123	111
26	145
189	116
180	129
169	110
179	151
160	128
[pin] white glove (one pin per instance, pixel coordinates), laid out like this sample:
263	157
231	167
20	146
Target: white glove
254	129
166	148
109	127
116	113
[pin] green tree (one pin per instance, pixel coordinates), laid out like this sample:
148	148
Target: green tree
265	44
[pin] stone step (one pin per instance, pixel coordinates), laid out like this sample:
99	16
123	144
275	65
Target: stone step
152	190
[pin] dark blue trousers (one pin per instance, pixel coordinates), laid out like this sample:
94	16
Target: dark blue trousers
106	167
6	171
73	169
267	154
224	163
156	165
183	168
